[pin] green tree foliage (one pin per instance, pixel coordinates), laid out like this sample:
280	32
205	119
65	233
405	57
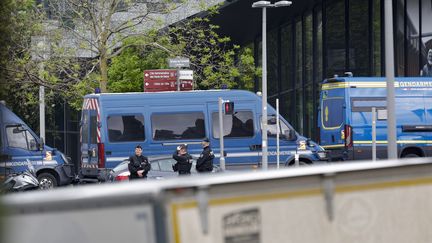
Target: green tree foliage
126	70
17	88
35	52
214	59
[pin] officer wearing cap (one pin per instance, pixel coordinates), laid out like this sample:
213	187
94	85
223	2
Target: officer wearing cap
184	160
138	165
205	161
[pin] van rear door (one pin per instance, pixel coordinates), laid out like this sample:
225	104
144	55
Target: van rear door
89	138
332	119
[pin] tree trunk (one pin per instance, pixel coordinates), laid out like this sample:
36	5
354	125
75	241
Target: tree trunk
104	73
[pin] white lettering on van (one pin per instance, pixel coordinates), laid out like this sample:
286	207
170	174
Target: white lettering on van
414	84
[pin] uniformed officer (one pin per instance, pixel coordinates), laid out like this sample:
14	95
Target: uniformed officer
205	161
138	165
427	68
184	160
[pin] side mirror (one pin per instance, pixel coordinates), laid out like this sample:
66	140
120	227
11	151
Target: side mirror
290	135
41	144
18	129
33	145
272	121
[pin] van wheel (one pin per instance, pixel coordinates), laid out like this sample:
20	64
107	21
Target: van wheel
411	156
301	163
47	181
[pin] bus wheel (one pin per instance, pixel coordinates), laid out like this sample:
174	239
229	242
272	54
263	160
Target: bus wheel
47	181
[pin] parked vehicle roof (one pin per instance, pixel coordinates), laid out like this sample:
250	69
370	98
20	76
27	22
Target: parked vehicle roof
197	94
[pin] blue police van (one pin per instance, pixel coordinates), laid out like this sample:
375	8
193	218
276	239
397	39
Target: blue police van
345	117
19	145
113	124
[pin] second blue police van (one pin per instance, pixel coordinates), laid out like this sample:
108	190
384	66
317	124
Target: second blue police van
113	124
19	145
345	117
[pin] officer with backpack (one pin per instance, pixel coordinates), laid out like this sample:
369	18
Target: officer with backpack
184	160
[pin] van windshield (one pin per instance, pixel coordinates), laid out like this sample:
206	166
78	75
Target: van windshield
20	138
332	112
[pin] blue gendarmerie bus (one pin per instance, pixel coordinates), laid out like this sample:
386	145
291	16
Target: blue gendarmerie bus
113	124
345	117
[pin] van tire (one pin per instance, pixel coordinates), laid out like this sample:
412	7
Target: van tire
301	163
47	181
411	156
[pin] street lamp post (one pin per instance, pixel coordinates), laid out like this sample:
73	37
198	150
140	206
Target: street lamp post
264	5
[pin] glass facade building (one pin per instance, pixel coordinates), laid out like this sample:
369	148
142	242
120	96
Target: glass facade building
332	37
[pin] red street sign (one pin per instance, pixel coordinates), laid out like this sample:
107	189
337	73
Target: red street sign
164	80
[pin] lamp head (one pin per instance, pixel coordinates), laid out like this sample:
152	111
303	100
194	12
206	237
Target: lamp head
261	4
282	4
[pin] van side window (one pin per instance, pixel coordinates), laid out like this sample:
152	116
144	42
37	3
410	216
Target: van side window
125	128
189	125
19	138
238	125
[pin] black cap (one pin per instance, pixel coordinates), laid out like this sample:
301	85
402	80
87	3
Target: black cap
206	140
138	146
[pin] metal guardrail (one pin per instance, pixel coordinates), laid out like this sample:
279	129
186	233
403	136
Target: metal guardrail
75	196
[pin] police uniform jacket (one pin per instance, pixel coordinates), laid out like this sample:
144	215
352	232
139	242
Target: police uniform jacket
137	163
183	164
205	161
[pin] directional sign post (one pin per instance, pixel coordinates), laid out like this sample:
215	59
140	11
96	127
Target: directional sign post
178	63
165	80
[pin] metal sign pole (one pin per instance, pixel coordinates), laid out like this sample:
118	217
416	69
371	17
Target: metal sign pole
389	70
221	136
178	79
41	105
277	133
373	133
264	92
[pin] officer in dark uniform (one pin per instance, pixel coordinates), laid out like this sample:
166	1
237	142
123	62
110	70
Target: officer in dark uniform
138	165
205	161
184	160
427	68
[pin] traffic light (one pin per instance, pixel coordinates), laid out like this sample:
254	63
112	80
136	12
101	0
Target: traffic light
229	108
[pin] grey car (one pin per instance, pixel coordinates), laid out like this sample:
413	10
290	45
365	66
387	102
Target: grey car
161	168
